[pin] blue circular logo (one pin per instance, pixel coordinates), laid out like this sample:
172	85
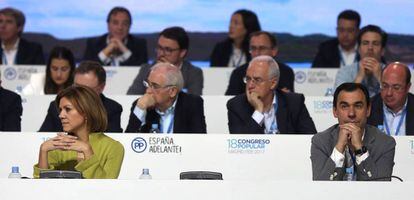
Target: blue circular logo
10	73
139	144
300	77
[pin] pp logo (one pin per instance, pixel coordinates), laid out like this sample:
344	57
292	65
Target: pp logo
139	144
10	73
300	77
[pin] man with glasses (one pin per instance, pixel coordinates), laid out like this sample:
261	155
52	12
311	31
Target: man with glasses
117	47
372	41
172	47
164	106
265	109
261	43
92	75
393	109
340	51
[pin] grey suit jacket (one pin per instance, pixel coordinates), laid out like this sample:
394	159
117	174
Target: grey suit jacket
193	79
377	166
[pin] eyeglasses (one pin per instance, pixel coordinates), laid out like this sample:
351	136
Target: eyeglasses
255	80
165	50
259	48
155	86
395	88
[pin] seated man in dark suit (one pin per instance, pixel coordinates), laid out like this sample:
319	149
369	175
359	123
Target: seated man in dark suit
165	106
14	49
352	150
393	109
262	109
117	47
340	51
10	110
261	43
93	75
172	47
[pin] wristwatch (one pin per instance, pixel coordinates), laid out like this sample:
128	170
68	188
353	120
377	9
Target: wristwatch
361	151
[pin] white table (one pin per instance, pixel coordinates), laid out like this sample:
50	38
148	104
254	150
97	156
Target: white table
201	190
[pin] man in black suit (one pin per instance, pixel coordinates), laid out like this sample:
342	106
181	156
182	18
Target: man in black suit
165	107
393	109
93	75
10	110
14	49
341	51
117	47
261	43
262	109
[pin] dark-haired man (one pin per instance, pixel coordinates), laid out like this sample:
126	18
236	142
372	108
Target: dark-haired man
372	41
340	51
117	47
351	149
90	74
14	49
172	47
393	109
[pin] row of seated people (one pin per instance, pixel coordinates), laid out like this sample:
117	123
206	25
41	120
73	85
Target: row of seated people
119	47
358	53
349	150
246	113
351	145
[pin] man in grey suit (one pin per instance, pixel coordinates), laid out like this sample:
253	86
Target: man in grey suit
352	150
172	47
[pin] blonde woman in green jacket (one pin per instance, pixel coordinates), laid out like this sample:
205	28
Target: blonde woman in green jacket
84	148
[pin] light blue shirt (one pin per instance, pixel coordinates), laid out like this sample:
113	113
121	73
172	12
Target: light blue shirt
393	119
166	118
349	73
268	118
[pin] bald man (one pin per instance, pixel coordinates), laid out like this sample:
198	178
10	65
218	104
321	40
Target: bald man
393	109
165	105
263	109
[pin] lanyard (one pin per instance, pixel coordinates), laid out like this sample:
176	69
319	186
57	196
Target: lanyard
352	157
274	128
170	126
399	123
163	119
4	59
351	169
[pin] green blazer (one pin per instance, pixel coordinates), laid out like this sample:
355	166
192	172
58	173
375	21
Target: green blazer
106	161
